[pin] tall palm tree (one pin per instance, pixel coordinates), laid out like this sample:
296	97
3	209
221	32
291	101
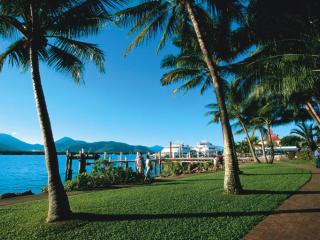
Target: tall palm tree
150	17
47	32
286	59
258	124
238	108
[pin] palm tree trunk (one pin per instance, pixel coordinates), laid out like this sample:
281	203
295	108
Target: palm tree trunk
255	158
58	201
271	145
312	112
262	146
59	208
236	162
232	183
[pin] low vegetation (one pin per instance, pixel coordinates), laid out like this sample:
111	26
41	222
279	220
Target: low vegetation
11	195
170	168
193	207
103	176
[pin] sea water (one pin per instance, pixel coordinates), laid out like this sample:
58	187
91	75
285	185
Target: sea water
19	173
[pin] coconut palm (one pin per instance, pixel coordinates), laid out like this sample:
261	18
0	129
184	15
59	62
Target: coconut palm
286	59
258	124
46	31
238	108
272	110
308	132
150	17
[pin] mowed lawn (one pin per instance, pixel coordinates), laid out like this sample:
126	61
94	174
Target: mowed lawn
193	207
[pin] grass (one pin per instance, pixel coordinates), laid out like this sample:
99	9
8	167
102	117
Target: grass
299	161
188	208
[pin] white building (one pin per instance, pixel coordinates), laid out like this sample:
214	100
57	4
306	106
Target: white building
206	149
176	150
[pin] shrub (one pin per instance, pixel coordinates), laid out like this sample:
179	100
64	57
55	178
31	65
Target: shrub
102	176
11	195
69	185
44	189
177	168
170	168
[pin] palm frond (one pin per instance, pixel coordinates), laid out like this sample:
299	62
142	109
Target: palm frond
83	50
16	54
64	61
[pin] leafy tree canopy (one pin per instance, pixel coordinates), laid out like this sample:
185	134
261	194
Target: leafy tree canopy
291	141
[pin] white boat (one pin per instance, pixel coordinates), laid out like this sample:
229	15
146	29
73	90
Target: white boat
207	149
176	150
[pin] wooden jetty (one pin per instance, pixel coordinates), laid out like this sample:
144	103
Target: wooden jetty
82	157
86	159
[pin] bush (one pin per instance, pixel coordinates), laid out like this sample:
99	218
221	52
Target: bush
170	168
177	168
102	176
11	195
44	189
69	185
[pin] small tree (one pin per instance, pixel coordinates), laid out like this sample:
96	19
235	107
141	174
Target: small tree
291	141
308	133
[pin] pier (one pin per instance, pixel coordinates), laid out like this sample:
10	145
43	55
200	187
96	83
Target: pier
123	161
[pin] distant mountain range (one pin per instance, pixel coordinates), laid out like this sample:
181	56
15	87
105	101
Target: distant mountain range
10	143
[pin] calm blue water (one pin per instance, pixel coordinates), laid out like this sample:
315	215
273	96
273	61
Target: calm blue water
21	173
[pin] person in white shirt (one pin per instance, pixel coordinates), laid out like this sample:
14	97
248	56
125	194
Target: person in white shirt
147	177
215	163
139	161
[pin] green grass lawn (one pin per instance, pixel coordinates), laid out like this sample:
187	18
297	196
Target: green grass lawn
188	208
299	161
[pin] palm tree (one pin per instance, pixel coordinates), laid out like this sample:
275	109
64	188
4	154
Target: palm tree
308	132
171	17
258	123
286	59
238	108
47	32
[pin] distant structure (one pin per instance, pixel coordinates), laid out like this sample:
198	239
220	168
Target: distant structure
275	139
202	149
207	149
176	150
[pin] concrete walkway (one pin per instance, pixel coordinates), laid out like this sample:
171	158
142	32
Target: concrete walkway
297	218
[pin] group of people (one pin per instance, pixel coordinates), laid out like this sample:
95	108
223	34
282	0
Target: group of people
142	165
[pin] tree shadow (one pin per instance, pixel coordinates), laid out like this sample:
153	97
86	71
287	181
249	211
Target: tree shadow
274	174
139	217
182	181
249	192
202	180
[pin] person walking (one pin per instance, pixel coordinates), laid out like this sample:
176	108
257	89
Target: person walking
139	162
215	162
149	167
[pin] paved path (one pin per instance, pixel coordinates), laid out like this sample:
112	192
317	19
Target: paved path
298	218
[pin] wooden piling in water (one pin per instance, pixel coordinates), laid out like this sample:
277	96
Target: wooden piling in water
82	162
68	167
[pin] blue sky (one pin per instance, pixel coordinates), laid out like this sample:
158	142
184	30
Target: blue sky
126	104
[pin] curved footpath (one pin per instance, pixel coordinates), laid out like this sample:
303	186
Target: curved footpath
297	218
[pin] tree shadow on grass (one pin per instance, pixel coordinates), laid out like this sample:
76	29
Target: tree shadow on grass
275	174
249	192
136	217
183	182
202	180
